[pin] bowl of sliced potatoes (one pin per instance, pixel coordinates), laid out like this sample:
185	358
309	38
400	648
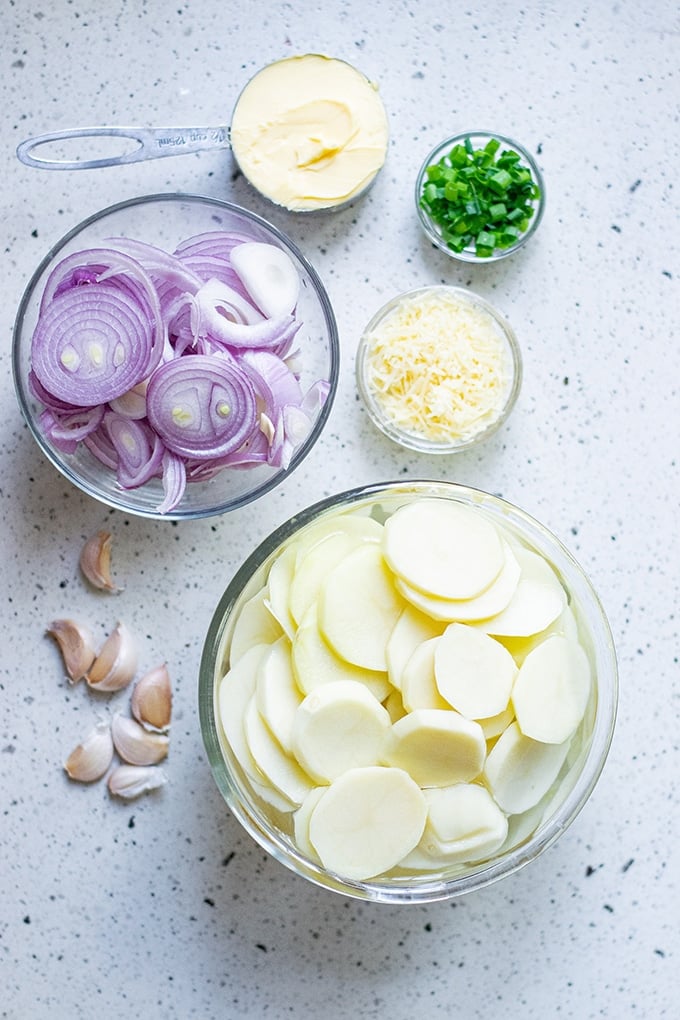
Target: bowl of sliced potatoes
408	691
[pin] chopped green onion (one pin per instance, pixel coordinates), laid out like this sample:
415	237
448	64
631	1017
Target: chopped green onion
480	200
500	181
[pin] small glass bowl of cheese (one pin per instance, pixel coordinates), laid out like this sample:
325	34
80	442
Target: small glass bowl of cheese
439	369
408	691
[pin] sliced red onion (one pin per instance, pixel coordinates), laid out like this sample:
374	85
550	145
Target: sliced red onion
283	348
131	404
269	276
254	451
179	315
269	333
174	482
166	270
45	397
100	446
219	243
315	397
92	344
201	406
68	430
292	428
273	380
99	331
172	365
207	267
217	296
217	309
140	450
95	265
208	255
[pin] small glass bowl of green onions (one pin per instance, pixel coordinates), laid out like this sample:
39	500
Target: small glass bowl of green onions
480	196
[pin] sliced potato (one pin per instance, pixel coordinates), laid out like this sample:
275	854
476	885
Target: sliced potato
419	687
537	602
271	796
412	628
464	824
337	727
276	693
312	569
394	705
443	549
436	747
278	588
254	625
552	689
494	725
356	526
491	601
519	647
301	822
315	662
473	672
278	767
519	770
367	821
359	607
236	689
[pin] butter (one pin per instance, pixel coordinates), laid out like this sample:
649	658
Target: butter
309	132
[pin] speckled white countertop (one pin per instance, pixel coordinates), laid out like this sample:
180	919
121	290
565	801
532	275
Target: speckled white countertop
164	907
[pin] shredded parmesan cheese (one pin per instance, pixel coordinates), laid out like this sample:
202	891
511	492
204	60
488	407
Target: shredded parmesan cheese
438	367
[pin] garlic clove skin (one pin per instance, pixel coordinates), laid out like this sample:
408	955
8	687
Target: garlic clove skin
135	745
95	561
151	702
116	664
129	781
90	759
76	645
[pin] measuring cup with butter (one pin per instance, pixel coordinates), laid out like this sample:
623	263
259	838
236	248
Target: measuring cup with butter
308	132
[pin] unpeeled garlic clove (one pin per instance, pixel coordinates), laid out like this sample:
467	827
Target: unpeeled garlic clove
129	781
116	663
90	760
95	561
135	745
76	645
151	701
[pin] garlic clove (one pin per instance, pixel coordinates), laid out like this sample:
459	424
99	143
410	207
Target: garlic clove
90	760
95	561
151	701
116	663
129	781
135	745
76	645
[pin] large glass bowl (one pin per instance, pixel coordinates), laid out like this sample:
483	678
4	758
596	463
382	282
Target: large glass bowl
165	220
529	834
478	139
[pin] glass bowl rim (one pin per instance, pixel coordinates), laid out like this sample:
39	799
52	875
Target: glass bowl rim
421	444
54	456
426	223
481	875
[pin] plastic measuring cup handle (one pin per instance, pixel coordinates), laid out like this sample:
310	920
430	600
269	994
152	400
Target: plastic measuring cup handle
153	143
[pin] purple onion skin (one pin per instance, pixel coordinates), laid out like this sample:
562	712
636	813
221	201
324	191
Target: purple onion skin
182	327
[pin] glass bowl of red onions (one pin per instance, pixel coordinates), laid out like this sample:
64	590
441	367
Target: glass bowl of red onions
175	356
